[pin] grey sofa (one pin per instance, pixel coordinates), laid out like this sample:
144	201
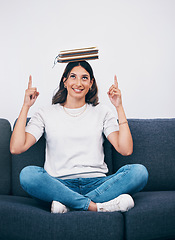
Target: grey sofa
153	217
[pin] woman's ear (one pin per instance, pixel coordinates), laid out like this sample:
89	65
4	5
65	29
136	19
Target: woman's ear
91	83
64	81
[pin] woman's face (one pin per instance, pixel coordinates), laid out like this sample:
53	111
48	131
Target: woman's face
78	82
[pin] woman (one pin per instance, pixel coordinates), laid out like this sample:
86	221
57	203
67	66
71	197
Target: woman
74	173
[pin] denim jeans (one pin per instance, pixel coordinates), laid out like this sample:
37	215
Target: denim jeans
78	193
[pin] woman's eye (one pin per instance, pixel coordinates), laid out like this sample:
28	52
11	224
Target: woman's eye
72	76
85	78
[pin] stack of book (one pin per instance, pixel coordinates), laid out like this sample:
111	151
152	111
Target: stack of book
77	55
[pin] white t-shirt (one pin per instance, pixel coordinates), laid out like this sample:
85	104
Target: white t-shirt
74	145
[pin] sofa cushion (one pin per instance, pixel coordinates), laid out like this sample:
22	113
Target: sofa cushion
153	216
23	218
33	156
154	147
108	155
5	157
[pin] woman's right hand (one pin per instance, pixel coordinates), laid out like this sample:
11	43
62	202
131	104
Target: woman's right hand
21	140
31	94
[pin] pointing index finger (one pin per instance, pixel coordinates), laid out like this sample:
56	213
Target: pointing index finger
115	81
30	82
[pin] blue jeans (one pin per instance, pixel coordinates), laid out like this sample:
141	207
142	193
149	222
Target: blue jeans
78	193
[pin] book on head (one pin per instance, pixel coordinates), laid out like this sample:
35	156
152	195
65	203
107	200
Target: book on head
81	54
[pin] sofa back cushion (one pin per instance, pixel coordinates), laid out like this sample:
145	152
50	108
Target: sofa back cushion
154	147
5	157
33	156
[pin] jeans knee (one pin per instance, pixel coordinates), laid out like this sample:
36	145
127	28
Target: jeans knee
26	175
23	176
142	173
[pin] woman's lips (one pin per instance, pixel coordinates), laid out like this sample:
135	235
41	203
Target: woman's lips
77	90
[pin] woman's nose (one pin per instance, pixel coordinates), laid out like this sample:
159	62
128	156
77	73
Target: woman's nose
78	82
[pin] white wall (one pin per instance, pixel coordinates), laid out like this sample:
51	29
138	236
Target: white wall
135	37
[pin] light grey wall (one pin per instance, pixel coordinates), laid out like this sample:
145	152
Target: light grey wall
135	38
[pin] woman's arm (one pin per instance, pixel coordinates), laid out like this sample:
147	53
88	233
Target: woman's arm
122	140
20	140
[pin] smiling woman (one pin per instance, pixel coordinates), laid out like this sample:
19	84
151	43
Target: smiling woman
74	127
82	74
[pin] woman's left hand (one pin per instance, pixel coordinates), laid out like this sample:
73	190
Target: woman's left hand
114	94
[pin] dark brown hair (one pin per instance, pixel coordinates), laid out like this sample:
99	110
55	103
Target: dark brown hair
61	95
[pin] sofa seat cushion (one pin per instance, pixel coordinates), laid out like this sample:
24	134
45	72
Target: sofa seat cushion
24	218
154	141
153	216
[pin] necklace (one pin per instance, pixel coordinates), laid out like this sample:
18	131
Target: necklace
75	114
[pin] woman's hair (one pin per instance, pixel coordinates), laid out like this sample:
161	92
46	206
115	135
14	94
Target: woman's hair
61	95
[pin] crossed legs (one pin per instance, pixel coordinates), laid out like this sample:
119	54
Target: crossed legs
39	184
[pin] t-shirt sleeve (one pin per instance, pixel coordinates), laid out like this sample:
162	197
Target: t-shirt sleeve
110	123
36	124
